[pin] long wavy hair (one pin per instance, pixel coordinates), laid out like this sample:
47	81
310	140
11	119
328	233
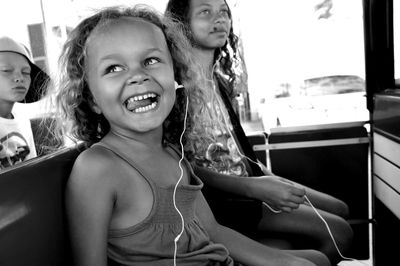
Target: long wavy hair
212	118
226	57
74	100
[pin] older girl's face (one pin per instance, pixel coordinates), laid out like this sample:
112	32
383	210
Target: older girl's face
209	22
130	75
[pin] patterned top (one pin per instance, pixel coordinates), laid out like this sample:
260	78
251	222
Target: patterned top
16	141
223	156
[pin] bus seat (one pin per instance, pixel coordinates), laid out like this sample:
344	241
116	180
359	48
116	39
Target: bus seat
32	217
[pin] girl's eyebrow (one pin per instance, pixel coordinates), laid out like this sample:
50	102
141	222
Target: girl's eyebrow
154	49
209	5
146	51
203	5
109	57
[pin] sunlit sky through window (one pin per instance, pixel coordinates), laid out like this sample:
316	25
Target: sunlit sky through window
283	40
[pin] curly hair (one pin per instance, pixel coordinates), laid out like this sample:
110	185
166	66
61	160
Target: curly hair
74	100
226	57
210	118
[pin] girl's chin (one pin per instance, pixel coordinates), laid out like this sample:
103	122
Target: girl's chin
218	43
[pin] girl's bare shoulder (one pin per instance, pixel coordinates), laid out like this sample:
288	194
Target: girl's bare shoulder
95	165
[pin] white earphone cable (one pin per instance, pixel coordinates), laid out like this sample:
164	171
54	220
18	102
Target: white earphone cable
177	183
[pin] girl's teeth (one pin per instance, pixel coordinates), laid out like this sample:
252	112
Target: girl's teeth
142	103
142	97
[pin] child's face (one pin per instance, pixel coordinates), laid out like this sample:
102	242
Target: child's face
15	77
210	23
130	74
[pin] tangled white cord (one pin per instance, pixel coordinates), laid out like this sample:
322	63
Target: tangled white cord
177	183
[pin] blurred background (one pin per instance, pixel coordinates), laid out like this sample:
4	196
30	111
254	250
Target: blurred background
304	60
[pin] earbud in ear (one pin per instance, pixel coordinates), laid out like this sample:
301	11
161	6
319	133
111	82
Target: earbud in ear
177	86
96	109
94	106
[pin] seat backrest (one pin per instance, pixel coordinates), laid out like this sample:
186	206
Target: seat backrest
32	218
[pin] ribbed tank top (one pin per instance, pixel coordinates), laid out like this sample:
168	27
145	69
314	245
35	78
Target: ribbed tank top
151	242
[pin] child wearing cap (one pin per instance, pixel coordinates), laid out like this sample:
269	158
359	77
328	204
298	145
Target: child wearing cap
17	73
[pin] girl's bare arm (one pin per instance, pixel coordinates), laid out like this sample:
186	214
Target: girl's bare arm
89	203
276	191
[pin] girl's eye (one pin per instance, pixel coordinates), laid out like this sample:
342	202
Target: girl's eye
204	12
151	61
113	68
224	11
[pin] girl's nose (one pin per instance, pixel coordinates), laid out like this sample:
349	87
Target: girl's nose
19	78
137	78
221	17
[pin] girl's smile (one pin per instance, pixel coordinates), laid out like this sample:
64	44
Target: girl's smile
142	103
219	29
220	34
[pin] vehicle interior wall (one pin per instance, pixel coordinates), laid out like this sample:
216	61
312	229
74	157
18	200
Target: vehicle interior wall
386	176
384	103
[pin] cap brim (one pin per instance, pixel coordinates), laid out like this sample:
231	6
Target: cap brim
39	80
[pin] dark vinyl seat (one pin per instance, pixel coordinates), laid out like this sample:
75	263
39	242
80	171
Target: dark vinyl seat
33	228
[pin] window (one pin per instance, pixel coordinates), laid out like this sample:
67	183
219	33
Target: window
305	61
37	41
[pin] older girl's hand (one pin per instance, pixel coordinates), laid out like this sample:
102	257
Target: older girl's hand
278	193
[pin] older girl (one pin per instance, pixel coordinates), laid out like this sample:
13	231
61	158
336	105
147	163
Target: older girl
226	162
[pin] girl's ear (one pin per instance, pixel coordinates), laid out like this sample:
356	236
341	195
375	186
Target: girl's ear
177	86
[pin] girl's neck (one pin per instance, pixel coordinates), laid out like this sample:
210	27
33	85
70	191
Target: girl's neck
5	110
206	59
142	141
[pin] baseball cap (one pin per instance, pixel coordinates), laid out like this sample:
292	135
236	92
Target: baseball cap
38	76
